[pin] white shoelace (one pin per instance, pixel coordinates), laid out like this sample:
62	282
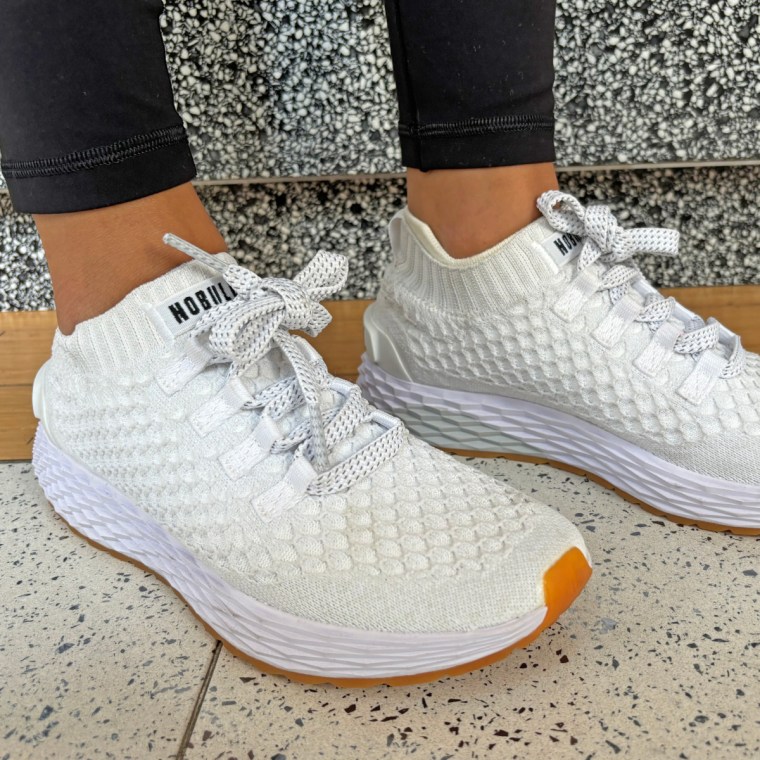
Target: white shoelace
242	331
607	242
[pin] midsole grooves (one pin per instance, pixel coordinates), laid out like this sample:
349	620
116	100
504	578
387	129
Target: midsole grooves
499	421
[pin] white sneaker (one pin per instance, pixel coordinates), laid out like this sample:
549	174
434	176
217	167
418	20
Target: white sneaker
553	346
188	430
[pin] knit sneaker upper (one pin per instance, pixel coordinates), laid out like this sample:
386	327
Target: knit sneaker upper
192	398
559	314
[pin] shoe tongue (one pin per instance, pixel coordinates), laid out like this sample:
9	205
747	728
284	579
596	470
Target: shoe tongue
548	249
149	317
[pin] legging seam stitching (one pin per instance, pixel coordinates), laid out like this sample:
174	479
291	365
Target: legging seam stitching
92	158
475	127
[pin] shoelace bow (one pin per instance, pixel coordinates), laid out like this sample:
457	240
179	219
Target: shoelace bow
606	241
243	330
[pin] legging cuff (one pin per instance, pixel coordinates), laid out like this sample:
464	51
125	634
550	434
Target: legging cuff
501	141
103	175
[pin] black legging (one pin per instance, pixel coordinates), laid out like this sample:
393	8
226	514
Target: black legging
87	117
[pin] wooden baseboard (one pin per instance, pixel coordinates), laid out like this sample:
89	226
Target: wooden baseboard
25	344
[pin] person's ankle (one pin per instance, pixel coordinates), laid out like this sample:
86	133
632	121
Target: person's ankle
97	257
471	210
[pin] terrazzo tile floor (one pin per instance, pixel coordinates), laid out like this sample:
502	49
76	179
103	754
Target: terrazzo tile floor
660	657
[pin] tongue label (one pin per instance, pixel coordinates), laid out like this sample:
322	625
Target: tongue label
180	312
562	247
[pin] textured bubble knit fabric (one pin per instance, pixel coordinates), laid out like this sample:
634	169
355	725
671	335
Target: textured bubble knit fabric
548	317
420	542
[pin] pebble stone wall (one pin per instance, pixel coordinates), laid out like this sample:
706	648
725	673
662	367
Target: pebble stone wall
293	88
276	228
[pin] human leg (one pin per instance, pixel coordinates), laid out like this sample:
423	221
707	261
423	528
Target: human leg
98	256
93	147
476	125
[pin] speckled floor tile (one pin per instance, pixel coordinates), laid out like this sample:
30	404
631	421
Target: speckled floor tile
660	658
98	659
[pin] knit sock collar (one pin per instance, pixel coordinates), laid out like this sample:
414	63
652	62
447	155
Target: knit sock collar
147	319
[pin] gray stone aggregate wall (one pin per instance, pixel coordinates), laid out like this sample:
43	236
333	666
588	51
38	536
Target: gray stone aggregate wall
304	87
293	88
275	228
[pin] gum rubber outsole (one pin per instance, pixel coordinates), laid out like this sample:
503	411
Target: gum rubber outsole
704	525
562	582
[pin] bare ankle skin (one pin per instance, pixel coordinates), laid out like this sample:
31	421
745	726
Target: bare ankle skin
471	210
97	257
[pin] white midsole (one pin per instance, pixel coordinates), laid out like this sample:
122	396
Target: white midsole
559	436
94	508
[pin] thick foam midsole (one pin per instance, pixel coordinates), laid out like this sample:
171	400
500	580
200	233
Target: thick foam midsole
102	514
488	422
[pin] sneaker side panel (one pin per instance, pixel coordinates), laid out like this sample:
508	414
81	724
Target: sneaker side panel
523	351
